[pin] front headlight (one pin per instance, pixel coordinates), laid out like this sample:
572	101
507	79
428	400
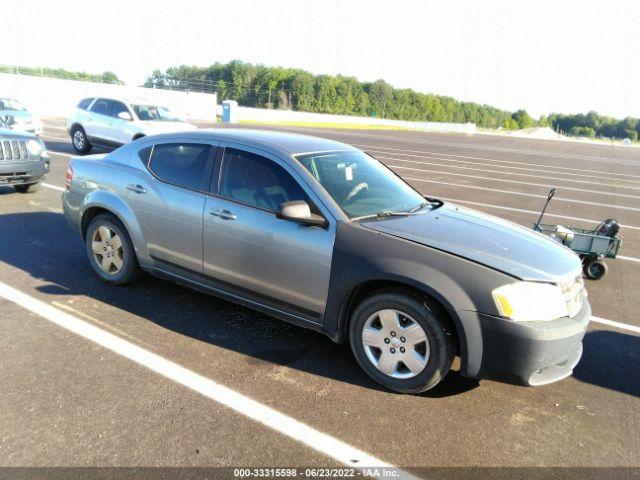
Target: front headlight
34	147
530	301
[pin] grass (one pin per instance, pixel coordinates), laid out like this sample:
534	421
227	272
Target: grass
346	126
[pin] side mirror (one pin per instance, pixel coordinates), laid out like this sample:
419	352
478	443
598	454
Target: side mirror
299	211
124	116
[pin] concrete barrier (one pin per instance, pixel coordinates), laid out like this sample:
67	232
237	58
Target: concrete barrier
247	114
45	96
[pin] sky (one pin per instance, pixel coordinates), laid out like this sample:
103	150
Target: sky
545	56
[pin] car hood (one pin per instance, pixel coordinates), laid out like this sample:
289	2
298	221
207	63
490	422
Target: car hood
485	239
167	127
19	116
10	134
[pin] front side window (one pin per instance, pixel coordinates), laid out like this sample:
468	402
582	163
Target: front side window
153	113
117	108
84	103
359	184
11	104
181	164
102	106
257	181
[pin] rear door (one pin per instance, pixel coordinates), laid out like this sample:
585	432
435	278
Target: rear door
98	119
247	246
168	199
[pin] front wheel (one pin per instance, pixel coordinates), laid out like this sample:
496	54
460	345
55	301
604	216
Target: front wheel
27	187
400	343
79	140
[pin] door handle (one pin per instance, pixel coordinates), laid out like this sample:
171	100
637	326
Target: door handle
137	188
226	214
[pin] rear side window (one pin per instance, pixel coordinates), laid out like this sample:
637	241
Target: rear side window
144	155
257	181
84	103
102	106
181	164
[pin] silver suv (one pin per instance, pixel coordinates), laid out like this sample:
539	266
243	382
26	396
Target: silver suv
320	234
23	159
111	122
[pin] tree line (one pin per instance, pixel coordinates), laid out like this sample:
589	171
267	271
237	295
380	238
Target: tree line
593	125
105	77
287	88
296	89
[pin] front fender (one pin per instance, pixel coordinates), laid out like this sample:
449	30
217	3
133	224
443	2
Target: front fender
112	202
362	255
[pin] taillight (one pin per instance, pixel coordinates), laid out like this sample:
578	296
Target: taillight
69	177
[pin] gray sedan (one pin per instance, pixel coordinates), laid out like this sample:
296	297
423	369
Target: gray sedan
320	234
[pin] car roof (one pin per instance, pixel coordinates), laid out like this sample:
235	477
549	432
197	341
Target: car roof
129	100
286	143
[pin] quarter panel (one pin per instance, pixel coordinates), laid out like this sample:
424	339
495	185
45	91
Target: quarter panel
113	202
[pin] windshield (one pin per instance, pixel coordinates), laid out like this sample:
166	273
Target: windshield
11	105
361	185
154	113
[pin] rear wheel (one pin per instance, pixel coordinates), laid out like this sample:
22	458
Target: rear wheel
27	187
400	343
79	140
595	269
110	250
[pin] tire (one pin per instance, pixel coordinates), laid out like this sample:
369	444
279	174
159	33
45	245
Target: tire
110	251
436	352
79	140
27	187
595	269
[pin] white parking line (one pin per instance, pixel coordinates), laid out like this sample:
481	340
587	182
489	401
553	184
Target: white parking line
478	146
533	212
292	428
53	187
555	179
620	325
50	152
511	192
517	182
631	259
56	138
541	165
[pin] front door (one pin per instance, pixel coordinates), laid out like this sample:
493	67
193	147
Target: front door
248	246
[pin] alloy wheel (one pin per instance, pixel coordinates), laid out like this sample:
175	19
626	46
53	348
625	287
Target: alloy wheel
395	344
107	250
78	139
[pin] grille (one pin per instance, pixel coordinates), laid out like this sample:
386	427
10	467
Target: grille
573	292
13	150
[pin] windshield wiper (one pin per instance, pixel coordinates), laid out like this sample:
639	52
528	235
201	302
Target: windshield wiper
419	207
390	213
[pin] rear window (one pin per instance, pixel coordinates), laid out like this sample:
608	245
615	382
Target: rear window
181	164
84	103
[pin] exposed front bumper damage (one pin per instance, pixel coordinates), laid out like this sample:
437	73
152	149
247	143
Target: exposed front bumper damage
531	353
19	172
